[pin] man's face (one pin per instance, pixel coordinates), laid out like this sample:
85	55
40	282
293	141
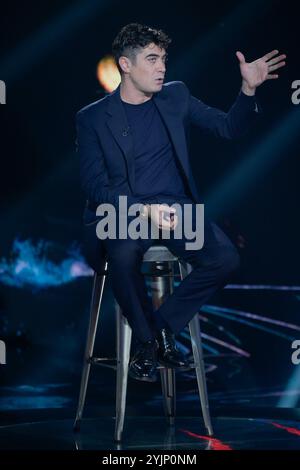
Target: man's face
148	70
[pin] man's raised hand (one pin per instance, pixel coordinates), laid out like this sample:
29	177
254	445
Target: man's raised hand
257	72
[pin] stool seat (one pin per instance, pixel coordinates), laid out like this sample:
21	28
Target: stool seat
158	253
163	261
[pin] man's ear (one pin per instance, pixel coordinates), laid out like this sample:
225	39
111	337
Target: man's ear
124	63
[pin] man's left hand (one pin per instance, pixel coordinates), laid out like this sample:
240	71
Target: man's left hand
257	72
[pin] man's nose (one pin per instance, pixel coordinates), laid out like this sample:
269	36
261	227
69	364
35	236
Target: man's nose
162	67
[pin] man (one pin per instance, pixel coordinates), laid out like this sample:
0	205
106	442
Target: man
133	143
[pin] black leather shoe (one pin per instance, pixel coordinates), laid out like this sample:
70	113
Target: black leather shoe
167	354
143	365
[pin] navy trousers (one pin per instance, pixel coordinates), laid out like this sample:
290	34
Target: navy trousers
213	265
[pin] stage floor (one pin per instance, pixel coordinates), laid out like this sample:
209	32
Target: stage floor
153	433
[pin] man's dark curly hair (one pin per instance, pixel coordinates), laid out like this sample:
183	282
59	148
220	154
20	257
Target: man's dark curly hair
135	36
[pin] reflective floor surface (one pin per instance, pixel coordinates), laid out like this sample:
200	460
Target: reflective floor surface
154	433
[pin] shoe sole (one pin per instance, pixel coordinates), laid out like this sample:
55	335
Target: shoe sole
142	379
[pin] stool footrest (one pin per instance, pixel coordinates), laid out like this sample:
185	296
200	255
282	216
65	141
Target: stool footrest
103	361
191	366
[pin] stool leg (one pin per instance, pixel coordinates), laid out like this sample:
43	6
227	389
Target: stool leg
195	334
98	286
168	384
124	334
162	287
200	371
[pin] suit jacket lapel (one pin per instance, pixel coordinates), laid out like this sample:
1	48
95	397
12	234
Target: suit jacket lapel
118	124
175	128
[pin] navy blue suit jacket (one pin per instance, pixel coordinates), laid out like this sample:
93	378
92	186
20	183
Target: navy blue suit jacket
105	147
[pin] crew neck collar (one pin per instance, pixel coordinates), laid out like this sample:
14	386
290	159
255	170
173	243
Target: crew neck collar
133	105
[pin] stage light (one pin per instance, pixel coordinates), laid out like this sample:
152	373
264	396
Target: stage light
108	73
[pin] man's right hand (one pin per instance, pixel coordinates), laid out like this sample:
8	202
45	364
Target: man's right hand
163	216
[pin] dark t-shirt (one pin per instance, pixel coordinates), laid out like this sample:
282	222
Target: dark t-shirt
158	176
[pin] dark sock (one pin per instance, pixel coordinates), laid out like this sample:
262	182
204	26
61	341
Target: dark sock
159	321
138	342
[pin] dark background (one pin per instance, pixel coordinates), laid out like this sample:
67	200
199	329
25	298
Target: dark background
48	57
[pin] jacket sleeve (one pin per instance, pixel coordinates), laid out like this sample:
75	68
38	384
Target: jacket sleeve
233	124
94	179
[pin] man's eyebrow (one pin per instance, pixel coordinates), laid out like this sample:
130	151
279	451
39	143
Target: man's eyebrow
152	54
